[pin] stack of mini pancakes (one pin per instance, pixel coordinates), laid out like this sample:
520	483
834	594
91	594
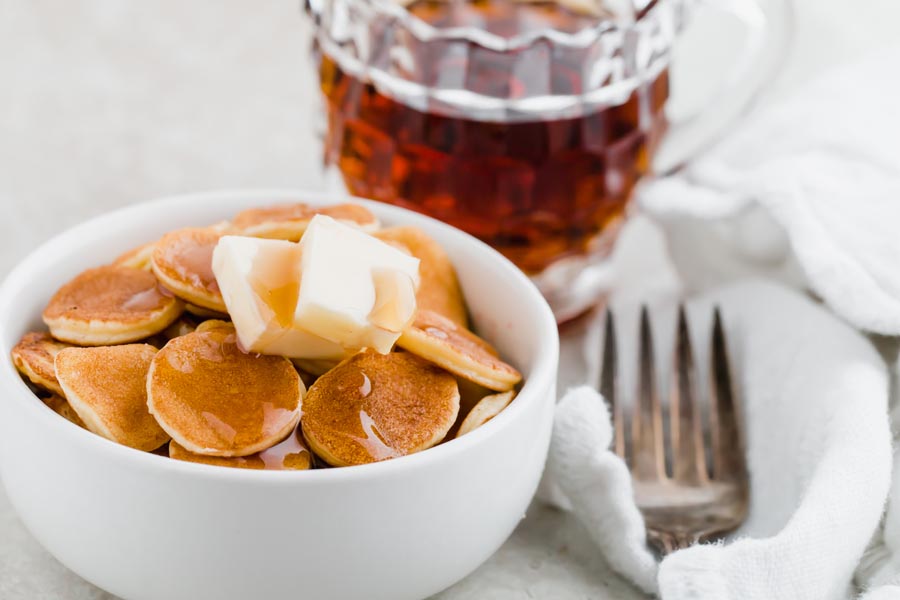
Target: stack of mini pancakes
142	352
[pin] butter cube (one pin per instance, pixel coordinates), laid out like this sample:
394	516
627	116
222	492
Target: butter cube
260	281
355	290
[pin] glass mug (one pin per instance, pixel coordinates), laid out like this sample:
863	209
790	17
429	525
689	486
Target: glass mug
526	123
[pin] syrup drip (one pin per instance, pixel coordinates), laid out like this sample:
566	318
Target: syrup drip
276	282
437	333
223	429
373	442
366	387
191	257
148	300
290	454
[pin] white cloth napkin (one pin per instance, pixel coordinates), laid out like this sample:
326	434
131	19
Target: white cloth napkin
814	398
880	570
806	191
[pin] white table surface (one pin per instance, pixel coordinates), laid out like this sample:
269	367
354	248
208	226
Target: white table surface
105	103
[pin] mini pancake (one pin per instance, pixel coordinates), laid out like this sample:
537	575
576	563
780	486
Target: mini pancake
182	260
182	326
439	289
288	455
289	221
484	411
137	258
213	324
470	394
107	387
205	313
222	227
439	340
110	305
60	406
215	400
315	367
373	407
305	376
33	356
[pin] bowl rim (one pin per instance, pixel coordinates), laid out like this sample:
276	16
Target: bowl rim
540	382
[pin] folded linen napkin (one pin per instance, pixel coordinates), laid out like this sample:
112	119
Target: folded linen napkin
880	569
814	397
806	191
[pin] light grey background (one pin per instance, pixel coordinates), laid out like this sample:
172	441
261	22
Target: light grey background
110	102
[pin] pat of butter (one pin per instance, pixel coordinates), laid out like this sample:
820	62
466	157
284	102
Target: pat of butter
337	291
260	282
356	290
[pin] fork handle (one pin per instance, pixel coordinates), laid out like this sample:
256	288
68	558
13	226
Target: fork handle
667	542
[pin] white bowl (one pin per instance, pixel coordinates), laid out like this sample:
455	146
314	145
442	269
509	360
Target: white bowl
146	527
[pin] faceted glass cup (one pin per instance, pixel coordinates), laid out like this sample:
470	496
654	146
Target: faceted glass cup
527	123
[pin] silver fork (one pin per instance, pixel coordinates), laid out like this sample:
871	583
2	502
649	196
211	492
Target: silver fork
704	493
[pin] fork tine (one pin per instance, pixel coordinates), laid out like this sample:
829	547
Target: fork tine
647	437
688	457
609	383
728	454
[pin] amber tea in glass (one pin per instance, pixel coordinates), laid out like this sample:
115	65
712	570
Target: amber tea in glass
524	123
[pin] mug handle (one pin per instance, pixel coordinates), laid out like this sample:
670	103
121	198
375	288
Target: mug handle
758	62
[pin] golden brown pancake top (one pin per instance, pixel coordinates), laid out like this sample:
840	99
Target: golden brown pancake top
439	289
109	293
211	324
36	352
302	212
291	454
461	340
110	383
217	397
185	255
377	406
